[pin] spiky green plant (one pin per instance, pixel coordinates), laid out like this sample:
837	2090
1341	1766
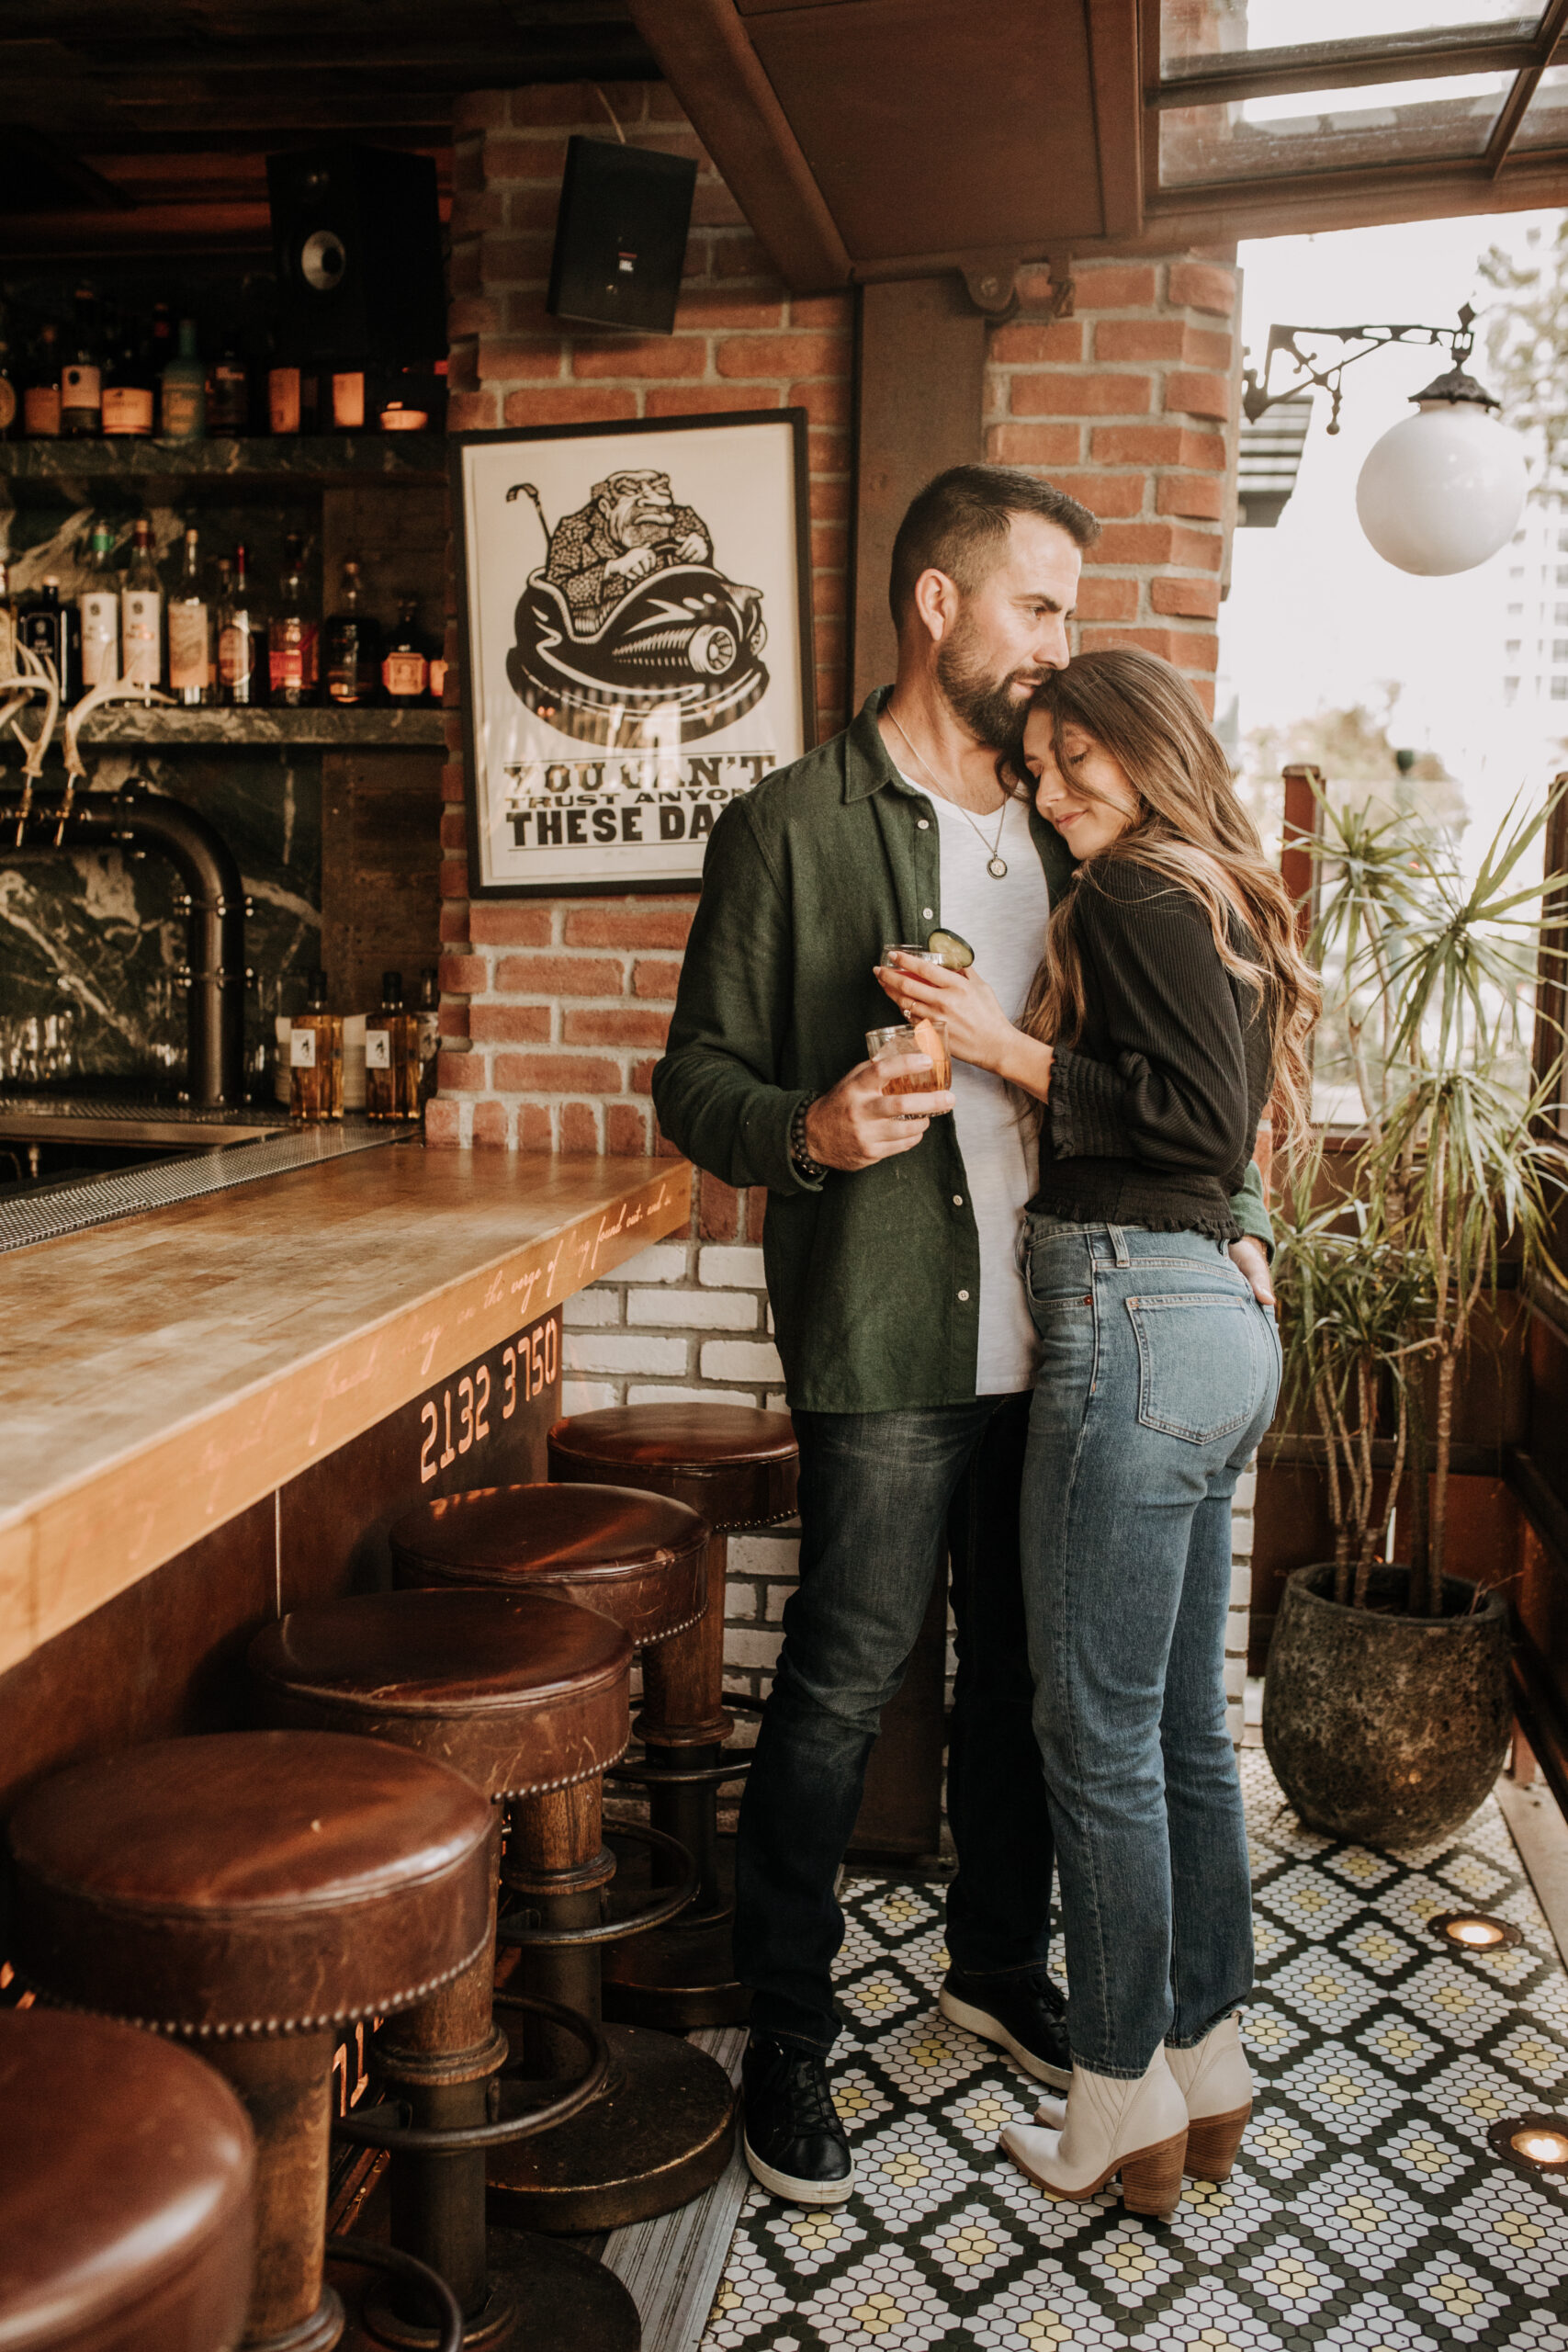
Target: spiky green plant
1432	975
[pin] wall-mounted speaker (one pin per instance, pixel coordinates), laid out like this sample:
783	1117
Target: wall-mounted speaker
621	236
357	231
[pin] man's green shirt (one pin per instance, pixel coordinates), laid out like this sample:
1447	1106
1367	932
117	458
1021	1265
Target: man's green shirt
874	1278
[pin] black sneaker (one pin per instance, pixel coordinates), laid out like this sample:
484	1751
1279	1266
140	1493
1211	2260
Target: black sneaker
794	2143
1022	2015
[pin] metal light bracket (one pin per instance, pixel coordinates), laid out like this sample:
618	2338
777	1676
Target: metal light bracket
1258	395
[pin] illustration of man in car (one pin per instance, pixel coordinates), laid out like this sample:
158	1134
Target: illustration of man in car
630	527
629	634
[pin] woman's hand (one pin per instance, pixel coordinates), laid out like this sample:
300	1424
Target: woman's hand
978	1031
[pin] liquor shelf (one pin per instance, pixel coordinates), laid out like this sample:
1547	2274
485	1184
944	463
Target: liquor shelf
166	1374
325	460
423	726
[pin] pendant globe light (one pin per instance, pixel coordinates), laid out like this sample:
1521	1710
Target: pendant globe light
1443	489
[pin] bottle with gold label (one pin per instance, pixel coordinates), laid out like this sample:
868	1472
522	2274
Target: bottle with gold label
405	673
315	1058
428	1019
141	613
40	393
189	630
391	1056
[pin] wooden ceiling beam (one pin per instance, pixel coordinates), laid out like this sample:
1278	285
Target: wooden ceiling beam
706	56
1118	124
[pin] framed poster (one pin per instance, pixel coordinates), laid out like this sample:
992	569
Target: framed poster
635	625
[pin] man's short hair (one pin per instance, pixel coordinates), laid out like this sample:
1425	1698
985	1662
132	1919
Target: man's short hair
959	522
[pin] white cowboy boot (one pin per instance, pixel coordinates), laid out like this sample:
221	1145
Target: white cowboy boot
1136	2129
1216	2082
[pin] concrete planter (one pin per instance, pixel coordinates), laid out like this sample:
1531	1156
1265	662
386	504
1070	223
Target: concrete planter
1380	1727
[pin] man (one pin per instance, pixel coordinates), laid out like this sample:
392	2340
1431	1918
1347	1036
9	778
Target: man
889	1244
630	528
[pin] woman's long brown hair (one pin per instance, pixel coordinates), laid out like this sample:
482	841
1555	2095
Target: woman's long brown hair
1190	828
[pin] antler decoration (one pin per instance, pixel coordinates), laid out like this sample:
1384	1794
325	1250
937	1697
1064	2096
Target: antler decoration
96	698
37	676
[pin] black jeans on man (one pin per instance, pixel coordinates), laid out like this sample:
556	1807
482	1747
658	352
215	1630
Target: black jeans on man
883	1497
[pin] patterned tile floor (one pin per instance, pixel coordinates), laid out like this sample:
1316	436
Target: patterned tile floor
1366	2214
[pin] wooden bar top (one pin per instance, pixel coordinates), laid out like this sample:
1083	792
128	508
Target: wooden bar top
159	1374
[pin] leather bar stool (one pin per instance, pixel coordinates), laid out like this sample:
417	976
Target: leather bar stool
253	1892
737	1466
527	1694
127	2192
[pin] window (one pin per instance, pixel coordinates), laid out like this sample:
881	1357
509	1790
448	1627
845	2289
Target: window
1513	648
1560	690
1517	612
1560	649
1517	572
1510	690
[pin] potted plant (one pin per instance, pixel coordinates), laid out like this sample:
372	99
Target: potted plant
1387	1705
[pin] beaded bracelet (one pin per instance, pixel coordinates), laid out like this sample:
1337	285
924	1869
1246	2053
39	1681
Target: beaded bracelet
811	1170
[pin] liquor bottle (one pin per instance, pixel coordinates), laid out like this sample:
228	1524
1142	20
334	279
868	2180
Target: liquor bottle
185	390
161	342
49	627
41	394
405	673
229	391
10	405
190	668
348	401
429	1018
130	398
98	605
141	613
391	1056
315	1058
352	647
284	398
242	643
81	378
8	624
293	638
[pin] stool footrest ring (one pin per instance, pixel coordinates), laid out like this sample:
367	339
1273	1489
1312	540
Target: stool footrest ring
660	1776
449	2323
366	2132
670	1900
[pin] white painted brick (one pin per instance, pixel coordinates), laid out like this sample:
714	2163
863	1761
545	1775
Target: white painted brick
771	1327
778	1594
1241	1584
726	1268
622	1351
778	1400
692	1310
742	1599
591	1310
1235	1680
1246	1490
587	1396
665	1263
766	1551
746	1649
1236	1722
740	1360
667	1393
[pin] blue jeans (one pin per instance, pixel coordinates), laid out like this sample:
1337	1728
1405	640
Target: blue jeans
883	1496
1157	1377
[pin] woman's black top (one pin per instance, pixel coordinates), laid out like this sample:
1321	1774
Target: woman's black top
1152	1116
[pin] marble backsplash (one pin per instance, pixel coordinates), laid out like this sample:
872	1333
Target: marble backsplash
90	941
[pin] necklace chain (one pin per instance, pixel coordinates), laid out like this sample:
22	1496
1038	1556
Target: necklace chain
996	864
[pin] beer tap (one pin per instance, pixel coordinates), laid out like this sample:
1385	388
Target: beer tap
109	690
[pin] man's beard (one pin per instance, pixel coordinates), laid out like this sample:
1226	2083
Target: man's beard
987	706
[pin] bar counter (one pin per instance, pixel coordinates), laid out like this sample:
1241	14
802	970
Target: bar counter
163	1375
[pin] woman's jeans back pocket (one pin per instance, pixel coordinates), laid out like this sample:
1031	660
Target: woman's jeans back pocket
1204	1363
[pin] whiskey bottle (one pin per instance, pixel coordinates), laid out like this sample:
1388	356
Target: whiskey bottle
405	673
141	613
315	1058
129	395
242	644
229	391
293	637
41	394
190	672
429	1018
185	390
353	643
81	378
391	1056
49	627
98	605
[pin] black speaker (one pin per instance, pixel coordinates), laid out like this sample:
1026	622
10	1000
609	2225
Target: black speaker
621	236
357	235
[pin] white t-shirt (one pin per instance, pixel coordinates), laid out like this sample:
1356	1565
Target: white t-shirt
1004	921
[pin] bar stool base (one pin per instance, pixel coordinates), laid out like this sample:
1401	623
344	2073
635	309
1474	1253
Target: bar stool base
545	2293
677	1978
489	2331
318	2334
661	2132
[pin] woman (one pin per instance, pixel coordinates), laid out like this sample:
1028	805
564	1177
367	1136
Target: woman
1173	1003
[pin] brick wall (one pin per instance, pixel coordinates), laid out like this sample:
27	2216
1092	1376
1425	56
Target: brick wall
554	1012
